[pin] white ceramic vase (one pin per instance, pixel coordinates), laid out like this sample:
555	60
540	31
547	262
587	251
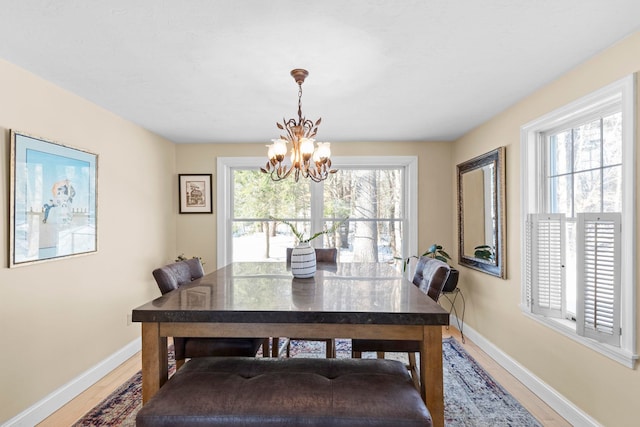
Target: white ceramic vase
303	261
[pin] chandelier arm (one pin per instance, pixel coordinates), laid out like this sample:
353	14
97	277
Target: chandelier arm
288	124
315	178
287	173
308	126
276	175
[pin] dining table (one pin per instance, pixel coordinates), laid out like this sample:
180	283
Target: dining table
263	299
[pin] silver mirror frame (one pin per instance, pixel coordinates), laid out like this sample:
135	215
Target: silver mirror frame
496	267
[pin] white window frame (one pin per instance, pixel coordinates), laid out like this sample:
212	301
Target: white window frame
225	165
532	201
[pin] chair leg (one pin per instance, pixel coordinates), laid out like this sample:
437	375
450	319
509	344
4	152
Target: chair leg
380	354
331	348
275	347
356	355
179	363
413	368
265	347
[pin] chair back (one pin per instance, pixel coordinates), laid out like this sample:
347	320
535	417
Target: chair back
329	255
431	275
172	276
195	267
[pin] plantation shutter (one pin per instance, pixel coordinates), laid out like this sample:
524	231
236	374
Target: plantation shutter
546	264
598	277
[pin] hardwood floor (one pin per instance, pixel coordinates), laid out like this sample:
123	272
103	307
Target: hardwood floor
85	401
82	404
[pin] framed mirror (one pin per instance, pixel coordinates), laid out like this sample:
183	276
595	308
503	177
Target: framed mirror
481	213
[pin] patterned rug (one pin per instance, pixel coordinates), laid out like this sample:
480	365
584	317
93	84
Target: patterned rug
472	397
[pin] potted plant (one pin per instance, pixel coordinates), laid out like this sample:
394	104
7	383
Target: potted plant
182	257
436	251
300	236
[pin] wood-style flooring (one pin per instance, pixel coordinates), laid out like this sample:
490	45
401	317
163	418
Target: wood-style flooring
74	410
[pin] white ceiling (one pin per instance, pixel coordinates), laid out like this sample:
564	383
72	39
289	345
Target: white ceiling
380	70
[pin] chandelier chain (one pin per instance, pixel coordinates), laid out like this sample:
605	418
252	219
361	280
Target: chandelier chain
300	102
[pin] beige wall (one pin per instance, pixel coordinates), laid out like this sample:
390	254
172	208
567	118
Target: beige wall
604	389
61	318
197	233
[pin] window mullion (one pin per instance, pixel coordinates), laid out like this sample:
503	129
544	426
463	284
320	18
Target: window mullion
317	210
601	164
542	168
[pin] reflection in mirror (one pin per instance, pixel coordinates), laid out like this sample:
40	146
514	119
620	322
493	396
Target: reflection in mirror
481	213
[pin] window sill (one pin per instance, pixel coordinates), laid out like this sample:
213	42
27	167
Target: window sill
568	328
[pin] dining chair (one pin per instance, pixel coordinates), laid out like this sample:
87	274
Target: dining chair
173	276
324	255
430	277
328	255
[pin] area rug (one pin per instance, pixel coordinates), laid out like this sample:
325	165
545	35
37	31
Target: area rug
472	397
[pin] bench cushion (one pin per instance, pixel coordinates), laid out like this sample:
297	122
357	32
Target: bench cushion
286	392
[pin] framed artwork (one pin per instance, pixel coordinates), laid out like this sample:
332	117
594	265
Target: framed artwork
53	206
195	193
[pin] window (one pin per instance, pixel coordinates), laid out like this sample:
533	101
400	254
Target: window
378	194
578	194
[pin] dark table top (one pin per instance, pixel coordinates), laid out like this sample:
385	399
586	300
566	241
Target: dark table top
346	293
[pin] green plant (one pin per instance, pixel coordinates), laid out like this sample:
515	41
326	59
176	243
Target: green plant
485	252
300	236
435	251
182	257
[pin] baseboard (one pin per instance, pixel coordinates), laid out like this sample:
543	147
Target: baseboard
549	395
57	399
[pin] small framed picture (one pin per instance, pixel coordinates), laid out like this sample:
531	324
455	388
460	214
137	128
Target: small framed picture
195	193
53	201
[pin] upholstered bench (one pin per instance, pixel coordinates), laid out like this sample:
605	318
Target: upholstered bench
287	392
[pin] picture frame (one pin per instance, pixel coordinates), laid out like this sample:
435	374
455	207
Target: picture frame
53	200
195	193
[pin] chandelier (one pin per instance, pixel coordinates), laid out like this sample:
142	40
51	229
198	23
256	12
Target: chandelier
306	160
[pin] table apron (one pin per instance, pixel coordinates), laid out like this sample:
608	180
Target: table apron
317	330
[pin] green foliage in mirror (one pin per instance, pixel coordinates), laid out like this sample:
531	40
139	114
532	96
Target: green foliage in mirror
485	252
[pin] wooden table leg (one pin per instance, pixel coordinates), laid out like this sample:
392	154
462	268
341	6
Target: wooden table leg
431	381
155	363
